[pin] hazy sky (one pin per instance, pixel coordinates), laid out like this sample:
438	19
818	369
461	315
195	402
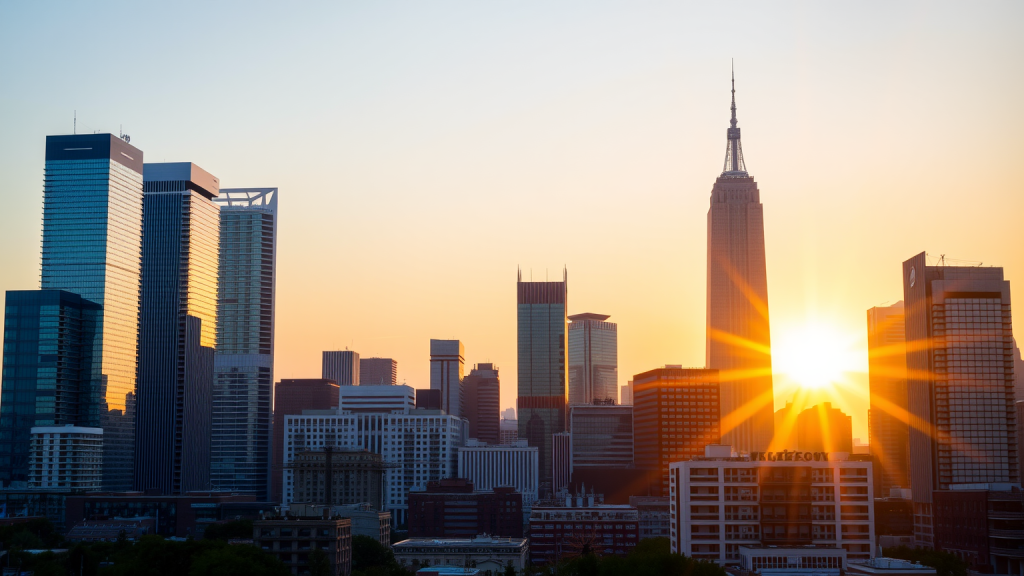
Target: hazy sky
425	150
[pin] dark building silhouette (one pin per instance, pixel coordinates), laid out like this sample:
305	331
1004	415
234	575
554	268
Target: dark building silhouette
428	398
452	509
822	428
335	476
482	402
291	397
984	527
888	425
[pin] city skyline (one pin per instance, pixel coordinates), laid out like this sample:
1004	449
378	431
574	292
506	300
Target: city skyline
824	268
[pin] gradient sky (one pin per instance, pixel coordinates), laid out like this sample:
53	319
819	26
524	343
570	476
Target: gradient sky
425	150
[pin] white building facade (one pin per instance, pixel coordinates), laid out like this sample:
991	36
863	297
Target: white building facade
720	502
65	458
489	466
367	399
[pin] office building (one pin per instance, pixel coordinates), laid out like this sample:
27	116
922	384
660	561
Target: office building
342	366
333	476
675	415
428	399
487	553
446	372
482	393
177	328
92	243
888	425
959	381
508	431
378	372
542	368
569	525
359	399
66	458
489	466
418	447
738	342
822	428
48	339
653	514
593	359
293	397
626	394
244	362
721	501
561	461
601	436
290	538
455	508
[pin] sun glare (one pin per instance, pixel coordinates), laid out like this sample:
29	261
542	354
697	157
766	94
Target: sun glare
814	356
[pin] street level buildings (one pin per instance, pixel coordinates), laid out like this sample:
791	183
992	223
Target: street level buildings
720	502
593	359
455	508
342	366
244	362
378	372
290	539
959	381
485	552
888	424
482	401
490	466
177	328
738	340
66	458
447	367
293	397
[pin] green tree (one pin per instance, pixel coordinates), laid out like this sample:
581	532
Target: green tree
368	552
510	570
319	563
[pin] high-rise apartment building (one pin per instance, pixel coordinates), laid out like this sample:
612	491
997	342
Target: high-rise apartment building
738	340
482	401
378	372
294	397
542	368
244	363
341	366
48	338
959	382
66	459
593	359
447	366
676	413
888	424
601	436
92	242
177	328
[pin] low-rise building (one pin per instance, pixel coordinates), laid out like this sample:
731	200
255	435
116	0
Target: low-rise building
291	539
793	560
654	515
888	567
453	508
483	553
447	571
366	521
112	529
179	516
573	525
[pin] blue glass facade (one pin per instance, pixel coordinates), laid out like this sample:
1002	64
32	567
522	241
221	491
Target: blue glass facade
46	365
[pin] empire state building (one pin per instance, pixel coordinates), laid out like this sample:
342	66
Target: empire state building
738	341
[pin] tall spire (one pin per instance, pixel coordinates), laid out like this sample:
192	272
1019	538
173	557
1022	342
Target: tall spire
734	165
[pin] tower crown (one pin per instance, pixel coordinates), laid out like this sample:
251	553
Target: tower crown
734	166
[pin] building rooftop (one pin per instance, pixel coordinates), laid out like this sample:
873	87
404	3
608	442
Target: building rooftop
589	316
481	540
882	565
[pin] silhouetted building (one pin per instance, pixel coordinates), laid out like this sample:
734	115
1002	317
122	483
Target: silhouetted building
446	372
822	428
291	397
482	394
290	538
888	425
601	436
738	341
244	362
561	460
428	399
675	415
337	476
894	517
541	343
378	372
983	524
593	359
452	509
342	366
177	328
175	515
617	484
959	381
785	427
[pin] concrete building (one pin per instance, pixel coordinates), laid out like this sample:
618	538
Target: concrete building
112	529
177	328
447	366
332	477
342	366
454	508
738	340
793	560
721	501
489	467
378	372
959	381
601	436
66	458
371	399
508	431
485	552
569	524
244	362
593	359
482	395
676	413
888	425
654	516
542	343
290	539
294	397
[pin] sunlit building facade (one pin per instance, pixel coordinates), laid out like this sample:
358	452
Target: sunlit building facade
244	362
177	328
593	359
888	424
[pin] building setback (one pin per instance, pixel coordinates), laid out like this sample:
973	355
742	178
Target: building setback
244	362
342	366
447	367
452	508
378	372
888	425
293	397
482	394
593	359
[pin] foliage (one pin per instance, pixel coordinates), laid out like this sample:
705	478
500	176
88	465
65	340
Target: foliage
945	564
319	563
228	530
371	558
32	535
154	556
651	557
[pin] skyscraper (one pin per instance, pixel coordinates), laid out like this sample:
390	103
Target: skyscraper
888	424
177	328
92	241
593	359
446	371
378	372
244	362
342	366
481	402
959	382
738	341
542	342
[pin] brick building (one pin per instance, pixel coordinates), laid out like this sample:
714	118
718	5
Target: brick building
451	508
573	525
291	539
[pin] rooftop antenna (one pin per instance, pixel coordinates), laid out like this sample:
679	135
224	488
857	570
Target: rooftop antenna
74	127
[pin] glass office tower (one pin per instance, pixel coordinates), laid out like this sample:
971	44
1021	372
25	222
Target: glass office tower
92	240
244	374
47	366
593	359
177	328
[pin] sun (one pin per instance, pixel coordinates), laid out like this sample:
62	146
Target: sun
815	356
